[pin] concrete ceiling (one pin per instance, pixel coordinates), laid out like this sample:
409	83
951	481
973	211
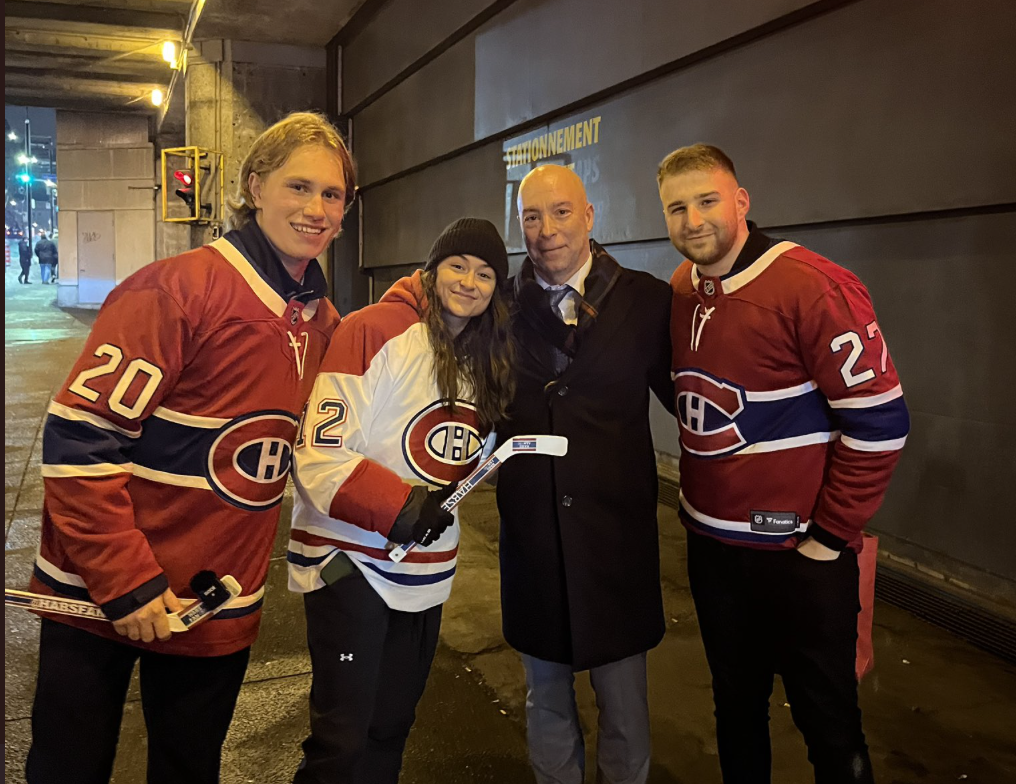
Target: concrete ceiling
107	54
102	55
299	22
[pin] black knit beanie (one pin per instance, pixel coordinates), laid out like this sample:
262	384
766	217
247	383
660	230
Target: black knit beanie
473	237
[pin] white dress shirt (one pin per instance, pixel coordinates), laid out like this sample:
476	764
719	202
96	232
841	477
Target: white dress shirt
568	307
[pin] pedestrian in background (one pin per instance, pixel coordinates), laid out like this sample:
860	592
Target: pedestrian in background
46	250
25	257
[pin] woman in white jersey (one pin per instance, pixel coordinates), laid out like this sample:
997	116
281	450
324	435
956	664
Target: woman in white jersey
407	393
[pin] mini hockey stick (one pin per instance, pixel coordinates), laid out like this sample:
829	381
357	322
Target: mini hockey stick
555	446
213	595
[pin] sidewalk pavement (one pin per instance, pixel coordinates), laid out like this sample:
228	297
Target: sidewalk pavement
936	709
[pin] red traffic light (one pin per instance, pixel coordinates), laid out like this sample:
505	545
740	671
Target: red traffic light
184	176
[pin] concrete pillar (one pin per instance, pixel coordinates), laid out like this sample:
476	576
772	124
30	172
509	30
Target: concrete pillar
107	202
236	89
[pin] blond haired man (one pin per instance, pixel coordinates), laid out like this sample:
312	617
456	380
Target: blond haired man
166	453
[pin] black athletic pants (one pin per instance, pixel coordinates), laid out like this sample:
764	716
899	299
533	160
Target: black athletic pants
370	665
26	267
763	612
187	702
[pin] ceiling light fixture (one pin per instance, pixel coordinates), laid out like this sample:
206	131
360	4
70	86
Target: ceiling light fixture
169	53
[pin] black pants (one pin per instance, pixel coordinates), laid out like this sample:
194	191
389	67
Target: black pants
370	665
26	267
764	612
187	701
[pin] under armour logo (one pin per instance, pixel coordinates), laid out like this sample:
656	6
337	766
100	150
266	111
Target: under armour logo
345	657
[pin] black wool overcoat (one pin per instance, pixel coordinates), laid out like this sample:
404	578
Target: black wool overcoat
579	547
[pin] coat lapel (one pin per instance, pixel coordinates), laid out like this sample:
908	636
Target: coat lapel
607	326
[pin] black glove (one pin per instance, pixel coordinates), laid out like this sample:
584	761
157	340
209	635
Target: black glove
422	520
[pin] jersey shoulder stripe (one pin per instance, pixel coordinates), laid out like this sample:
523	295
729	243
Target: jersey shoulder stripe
819	265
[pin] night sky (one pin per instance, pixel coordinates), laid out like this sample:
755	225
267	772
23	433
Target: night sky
43	120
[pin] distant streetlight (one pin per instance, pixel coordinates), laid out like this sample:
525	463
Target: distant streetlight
23	159
14	203
12	136
157	97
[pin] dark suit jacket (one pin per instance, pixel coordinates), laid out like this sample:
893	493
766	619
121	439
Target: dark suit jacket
580	565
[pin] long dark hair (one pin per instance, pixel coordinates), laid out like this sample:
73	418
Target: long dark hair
481	359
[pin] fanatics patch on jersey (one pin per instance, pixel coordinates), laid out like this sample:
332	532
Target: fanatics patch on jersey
773	522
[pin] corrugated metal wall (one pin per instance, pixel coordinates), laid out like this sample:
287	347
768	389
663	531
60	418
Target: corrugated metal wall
877	132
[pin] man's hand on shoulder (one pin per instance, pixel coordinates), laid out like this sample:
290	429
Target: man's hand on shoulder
150	621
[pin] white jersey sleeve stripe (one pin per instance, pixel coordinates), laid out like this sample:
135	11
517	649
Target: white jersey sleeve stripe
86	471
191	420
177	480
79	415
779	445
868	402
781	394
58	574
891	445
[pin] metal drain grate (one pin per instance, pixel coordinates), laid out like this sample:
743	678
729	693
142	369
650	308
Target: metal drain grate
669	493
989	632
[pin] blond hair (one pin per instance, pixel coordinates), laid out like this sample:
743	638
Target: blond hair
272	149
695	157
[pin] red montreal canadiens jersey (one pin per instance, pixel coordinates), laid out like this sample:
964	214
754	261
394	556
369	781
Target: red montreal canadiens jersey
790	410
167	450
375	426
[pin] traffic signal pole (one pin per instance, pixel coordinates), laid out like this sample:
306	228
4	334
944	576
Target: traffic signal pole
28	177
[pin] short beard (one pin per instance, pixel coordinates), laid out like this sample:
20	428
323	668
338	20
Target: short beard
714	257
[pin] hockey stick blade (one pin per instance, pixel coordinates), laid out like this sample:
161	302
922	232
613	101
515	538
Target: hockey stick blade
224	590
555	446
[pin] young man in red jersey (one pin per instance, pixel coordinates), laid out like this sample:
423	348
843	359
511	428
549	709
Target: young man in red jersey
166	453
792	419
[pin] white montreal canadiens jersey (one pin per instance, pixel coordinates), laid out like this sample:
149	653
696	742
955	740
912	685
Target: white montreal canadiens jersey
374	427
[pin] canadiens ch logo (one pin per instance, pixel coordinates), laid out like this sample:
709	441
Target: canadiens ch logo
440	446
706	410
250	459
